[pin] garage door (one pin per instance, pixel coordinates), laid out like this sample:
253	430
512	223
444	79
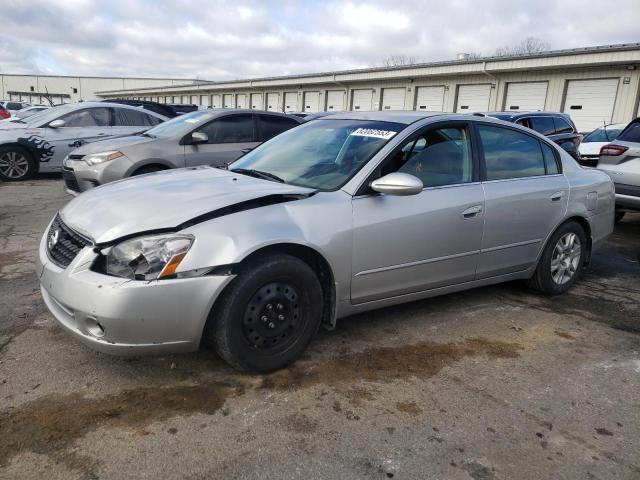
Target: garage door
216	101
430	99
362	99
311	101
335	101
228	100
256	101
473	98
204	100
194	99
290	102
272	101
241	100
393	98
525	96
590	102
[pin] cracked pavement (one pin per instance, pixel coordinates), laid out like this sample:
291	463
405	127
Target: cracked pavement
493	383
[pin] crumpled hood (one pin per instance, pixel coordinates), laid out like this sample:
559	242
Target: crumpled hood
114	143
163	200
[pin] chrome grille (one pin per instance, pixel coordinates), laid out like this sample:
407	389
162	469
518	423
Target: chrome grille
63	244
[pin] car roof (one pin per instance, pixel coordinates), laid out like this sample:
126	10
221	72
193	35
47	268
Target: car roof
398	116
80	105
523	113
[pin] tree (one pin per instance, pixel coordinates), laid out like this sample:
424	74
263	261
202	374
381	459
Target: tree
526	47
398	60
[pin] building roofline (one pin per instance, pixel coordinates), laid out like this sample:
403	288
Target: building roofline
5	74
441	63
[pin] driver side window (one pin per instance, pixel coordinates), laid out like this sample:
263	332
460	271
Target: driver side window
89	117
438	157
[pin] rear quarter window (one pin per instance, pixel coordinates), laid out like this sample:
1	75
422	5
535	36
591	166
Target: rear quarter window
631	133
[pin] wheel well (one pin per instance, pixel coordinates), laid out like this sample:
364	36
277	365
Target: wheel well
159	166
30	151
318	264
587	232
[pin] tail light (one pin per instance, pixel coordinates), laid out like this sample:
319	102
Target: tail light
613	150
4	114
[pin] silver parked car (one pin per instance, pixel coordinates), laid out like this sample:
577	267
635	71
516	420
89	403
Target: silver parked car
40	142
621	160
340	215
205	137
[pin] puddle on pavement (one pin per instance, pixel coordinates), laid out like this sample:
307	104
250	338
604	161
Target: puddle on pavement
50	424
387	364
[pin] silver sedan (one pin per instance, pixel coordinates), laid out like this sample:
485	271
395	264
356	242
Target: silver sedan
341	215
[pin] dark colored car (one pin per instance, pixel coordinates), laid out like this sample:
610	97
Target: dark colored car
182	108
554	125
155	107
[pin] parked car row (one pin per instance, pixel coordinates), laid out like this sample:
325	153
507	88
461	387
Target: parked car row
341	214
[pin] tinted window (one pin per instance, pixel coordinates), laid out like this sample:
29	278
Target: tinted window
631	133
90	117
510	154
14	106
543	125
270	126
231	129
562	126
550	160
124	117
438	157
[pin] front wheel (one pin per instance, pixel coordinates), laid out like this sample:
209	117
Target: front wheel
268	315
16	164
562	260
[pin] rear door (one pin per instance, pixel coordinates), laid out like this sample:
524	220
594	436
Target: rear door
228	137
526	196
81	126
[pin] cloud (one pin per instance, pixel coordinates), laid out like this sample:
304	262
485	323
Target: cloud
226	39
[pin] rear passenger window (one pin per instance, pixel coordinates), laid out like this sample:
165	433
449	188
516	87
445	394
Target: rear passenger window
230	129
543	125
550	160
271	125
89	117
125	117
562	126
510	154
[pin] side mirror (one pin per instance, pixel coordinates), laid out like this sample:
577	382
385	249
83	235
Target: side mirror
199	137
57	123
398	184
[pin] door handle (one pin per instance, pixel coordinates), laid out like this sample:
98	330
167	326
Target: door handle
472	211
557	196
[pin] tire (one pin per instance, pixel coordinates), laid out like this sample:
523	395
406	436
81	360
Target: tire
567	262
619	216
147	169
16	164
268	314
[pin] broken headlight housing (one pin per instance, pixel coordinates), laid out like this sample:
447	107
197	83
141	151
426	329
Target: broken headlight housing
148	258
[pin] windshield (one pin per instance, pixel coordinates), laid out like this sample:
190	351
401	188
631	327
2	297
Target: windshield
602	135
179	125
321	154
42	118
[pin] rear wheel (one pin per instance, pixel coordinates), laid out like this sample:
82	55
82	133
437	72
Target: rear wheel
268	315
562	260
16	164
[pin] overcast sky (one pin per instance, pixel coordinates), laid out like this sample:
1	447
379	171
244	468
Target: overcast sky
220	39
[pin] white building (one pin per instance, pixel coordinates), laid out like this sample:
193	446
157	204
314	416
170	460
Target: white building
65	89
595	85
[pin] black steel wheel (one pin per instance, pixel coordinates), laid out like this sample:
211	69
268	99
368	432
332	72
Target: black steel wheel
268	315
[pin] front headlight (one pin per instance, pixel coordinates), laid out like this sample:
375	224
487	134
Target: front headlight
148	258
96	158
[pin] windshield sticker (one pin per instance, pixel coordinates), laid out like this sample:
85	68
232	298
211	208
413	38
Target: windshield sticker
372	132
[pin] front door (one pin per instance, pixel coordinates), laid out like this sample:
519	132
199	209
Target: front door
525	198
229	138
403	245
81	126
